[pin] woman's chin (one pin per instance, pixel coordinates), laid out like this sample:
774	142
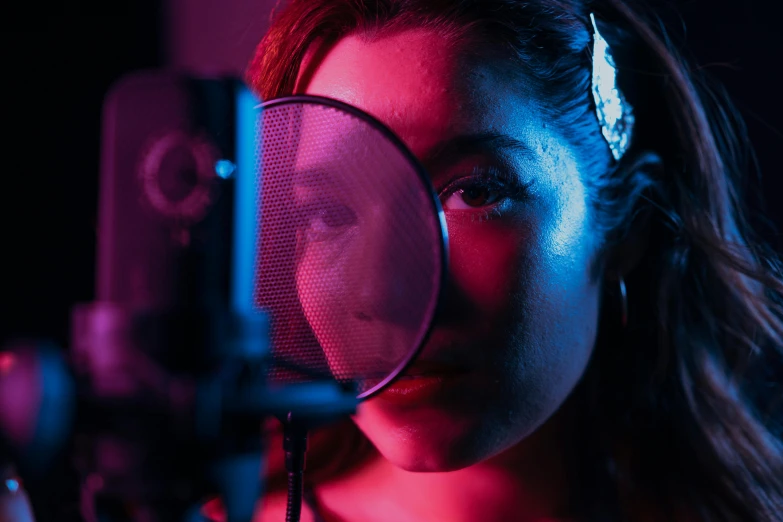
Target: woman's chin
425	439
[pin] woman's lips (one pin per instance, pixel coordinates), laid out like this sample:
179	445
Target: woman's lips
421	381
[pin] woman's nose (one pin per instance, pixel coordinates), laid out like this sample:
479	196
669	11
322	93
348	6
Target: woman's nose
396	270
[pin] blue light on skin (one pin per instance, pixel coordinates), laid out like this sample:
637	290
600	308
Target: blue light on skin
12	485
224	168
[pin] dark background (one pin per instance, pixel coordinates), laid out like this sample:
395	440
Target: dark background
57	67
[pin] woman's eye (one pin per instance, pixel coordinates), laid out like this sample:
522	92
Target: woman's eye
321	221
472	197
335	216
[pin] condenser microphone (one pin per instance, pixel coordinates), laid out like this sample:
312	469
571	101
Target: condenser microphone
162	347
173	354
144	402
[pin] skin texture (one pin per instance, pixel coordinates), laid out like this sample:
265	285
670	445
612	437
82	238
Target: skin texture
522	299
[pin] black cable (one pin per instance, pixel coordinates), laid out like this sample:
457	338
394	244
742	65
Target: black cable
295	489
295	447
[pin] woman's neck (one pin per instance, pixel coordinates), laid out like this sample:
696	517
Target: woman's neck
527	482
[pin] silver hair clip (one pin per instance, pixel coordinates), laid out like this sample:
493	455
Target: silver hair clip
614	113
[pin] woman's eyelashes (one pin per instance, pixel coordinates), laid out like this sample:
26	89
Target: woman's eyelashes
483	194
323	220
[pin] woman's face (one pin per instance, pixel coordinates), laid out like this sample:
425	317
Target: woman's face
521	308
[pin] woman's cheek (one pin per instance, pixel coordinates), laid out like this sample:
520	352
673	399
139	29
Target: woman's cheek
485	259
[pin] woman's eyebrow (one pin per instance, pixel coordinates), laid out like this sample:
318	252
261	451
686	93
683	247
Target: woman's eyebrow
451	150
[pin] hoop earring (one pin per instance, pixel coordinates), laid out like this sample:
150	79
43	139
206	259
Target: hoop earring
623	302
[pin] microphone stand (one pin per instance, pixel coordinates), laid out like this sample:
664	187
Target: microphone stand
154	434
166	405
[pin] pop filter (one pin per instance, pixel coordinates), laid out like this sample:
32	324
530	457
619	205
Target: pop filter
351	254
352	244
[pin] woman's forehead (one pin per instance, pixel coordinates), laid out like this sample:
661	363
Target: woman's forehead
416	82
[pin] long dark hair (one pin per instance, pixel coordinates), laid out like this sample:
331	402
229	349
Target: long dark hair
682	417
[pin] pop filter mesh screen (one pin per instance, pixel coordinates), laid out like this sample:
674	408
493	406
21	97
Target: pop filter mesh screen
351	245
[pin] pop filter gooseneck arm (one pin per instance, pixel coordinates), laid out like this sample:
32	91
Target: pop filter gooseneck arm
295	447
